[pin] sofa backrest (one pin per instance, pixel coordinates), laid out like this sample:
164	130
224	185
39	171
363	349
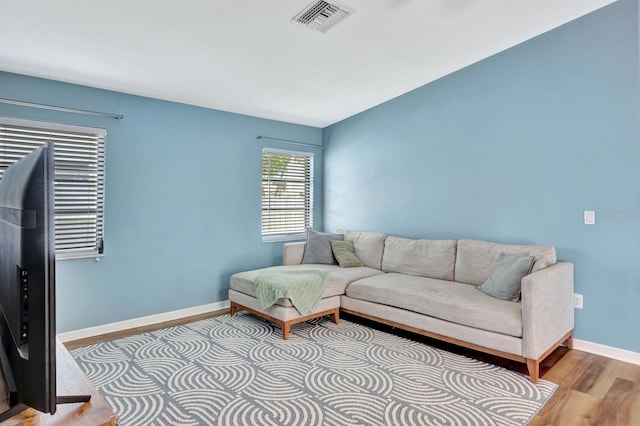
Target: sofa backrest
476	260
368	246
425	258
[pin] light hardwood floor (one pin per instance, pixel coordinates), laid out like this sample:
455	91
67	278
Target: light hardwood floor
594	390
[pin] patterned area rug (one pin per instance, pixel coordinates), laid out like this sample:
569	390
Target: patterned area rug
239	371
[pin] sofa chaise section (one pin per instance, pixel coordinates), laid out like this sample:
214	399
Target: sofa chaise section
242	292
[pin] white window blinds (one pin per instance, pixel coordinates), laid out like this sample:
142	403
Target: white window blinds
79	179
287	194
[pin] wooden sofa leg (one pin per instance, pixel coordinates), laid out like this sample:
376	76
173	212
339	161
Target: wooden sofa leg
232	309
285	330
336	316
533	365
570	341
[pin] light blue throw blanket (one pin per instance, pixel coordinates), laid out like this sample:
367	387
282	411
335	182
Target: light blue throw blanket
303	288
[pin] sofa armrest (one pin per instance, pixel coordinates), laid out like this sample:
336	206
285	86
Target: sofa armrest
292	253
547	308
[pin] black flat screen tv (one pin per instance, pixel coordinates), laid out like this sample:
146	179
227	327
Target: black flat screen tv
27	284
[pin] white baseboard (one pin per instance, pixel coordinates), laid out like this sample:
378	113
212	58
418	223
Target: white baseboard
582	345
608	351
84	333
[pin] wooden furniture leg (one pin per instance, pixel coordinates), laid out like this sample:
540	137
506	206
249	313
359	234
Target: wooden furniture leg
533	365
286	326
570	341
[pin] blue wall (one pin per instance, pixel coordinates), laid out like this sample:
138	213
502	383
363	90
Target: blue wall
182	201
514	149
511	149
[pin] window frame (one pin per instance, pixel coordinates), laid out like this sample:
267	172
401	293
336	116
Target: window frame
309	197
76	250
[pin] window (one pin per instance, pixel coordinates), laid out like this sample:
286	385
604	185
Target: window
287	194
79	178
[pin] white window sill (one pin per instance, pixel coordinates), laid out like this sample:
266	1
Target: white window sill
283	238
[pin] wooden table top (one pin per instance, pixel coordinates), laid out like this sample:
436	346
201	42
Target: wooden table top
70	381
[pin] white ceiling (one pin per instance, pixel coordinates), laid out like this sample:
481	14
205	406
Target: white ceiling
245	56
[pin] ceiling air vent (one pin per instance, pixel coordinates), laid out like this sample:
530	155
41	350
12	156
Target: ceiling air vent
321	15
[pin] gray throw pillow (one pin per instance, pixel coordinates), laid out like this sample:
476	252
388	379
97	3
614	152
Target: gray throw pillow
343	252
504	283
317	248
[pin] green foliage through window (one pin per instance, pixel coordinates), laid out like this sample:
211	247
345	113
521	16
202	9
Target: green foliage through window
287	194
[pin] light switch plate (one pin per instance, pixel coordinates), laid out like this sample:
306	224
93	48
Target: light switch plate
589	217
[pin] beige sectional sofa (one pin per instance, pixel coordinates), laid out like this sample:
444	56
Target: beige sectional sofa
431	287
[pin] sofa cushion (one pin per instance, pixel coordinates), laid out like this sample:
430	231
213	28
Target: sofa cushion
317	248
426	258
476	260
343	252
339	278
368	246
450	301
505	282
414	320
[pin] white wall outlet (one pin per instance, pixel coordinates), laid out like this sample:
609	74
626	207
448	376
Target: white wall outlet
577	301
589	217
